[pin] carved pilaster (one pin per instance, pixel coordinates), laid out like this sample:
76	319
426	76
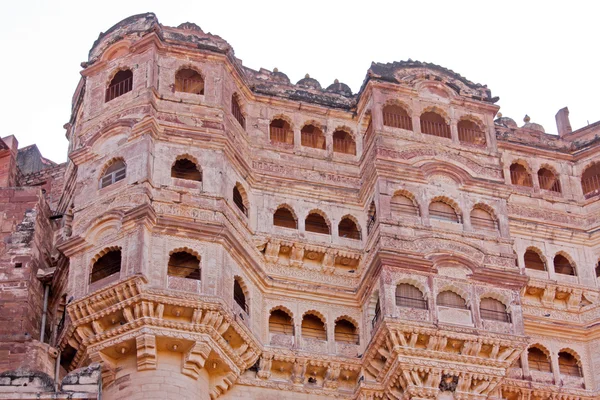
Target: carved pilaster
272	252
328	262
297	256
194	359
146	352
331	376
298	371
264	366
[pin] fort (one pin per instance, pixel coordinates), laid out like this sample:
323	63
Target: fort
221	232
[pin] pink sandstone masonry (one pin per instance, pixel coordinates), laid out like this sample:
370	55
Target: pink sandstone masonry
221	232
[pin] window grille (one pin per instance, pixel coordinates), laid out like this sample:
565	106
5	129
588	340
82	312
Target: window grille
563	266
343	143
410	296
590	181
548	181
434	124
345	332
119	85
114	173
280	323
452	300
494	310
311	136
395	116
483	220
519	176
568	365
538	361
442	211
236	110
402	205
316	223
534	261
470	133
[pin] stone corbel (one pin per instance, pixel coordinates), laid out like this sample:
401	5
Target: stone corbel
223	385
298	372
328	262
331	376
297	256
574	300
194	359
146	352
548	296
272	252
264	366
109	367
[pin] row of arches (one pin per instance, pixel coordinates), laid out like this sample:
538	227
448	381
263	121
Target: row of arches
562	262
311	135
316	222
313	326
539	359
433	122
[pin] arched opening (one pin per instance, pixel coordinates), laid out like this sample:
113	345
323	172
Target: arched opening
452	300
483	220
239	296
348	229
568	365
371	216
548	181
113	174
443	212
493	310
470	133
410	296
280	323
343	142
397	117
316	223
280	131
563	266
346	332
598	269
311	136
402	205
236	110
434	124
189	81
284	218
377	313
107	265
534	261
184	265
520	176
590	181
186	169
120	84
538	360
239	200
313	327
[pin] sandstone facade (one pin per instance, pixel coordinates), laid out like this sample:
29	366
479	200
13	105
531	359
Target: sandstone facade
219	232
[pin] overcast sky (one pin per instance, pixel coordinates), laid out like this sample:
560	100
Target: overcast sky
537	56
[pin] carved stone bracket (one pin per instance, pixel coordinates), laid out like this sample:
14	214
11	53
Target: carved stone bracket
146	352
194	359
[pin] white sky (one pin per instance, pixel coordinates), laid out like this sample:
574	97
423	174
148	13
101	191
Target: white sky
538	56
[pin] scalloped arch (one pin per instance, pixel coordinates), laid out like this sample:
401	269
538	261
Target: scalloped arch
287	207
399	103
487	208
539	253
320	126
186	249
416	283
282	117
353	219
187	156
316	314
447	200
522	163
104	251
109	163
115	72
474	119
435	109
116	50
345	128
348	318
284	309
540	347
573	353
550	168
242	282
321	213
502	298
190	67
450	287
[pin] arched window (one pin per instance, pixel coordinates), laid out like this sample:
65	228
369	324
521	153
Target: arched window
548	181
280	323
184	265
186	169
372	216
239	296
598	270
563	266
483	220
434	124
113	174
311	136
590	181
401	205
377	313
236	110
410	296
107	265
538	360
534	261
239	199
493	310
280	131
348	229
519	176
316	223
345	332
120	84
470	133
452	300
397	117
284	218
189	81
313	327
568	365
343	143
442	211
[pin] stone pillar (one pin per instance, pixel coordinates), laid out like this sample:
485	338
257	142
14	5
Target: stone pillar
454	131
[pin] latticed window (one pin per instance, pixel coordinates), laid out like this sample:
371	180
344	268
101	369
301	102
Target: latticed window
470	133
107	265
520	176
348	229
239	296
343	143
483	220
236	110
311	136
538	360
114	173
442	211
568	365
548	181
189	81
316	223
186	169
434	124
534	261
184	265
313	327
238	200
345	332
120	84
410	296
402	205
590	181
280	323
452	300
563	266
284	218
493	310
397	117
